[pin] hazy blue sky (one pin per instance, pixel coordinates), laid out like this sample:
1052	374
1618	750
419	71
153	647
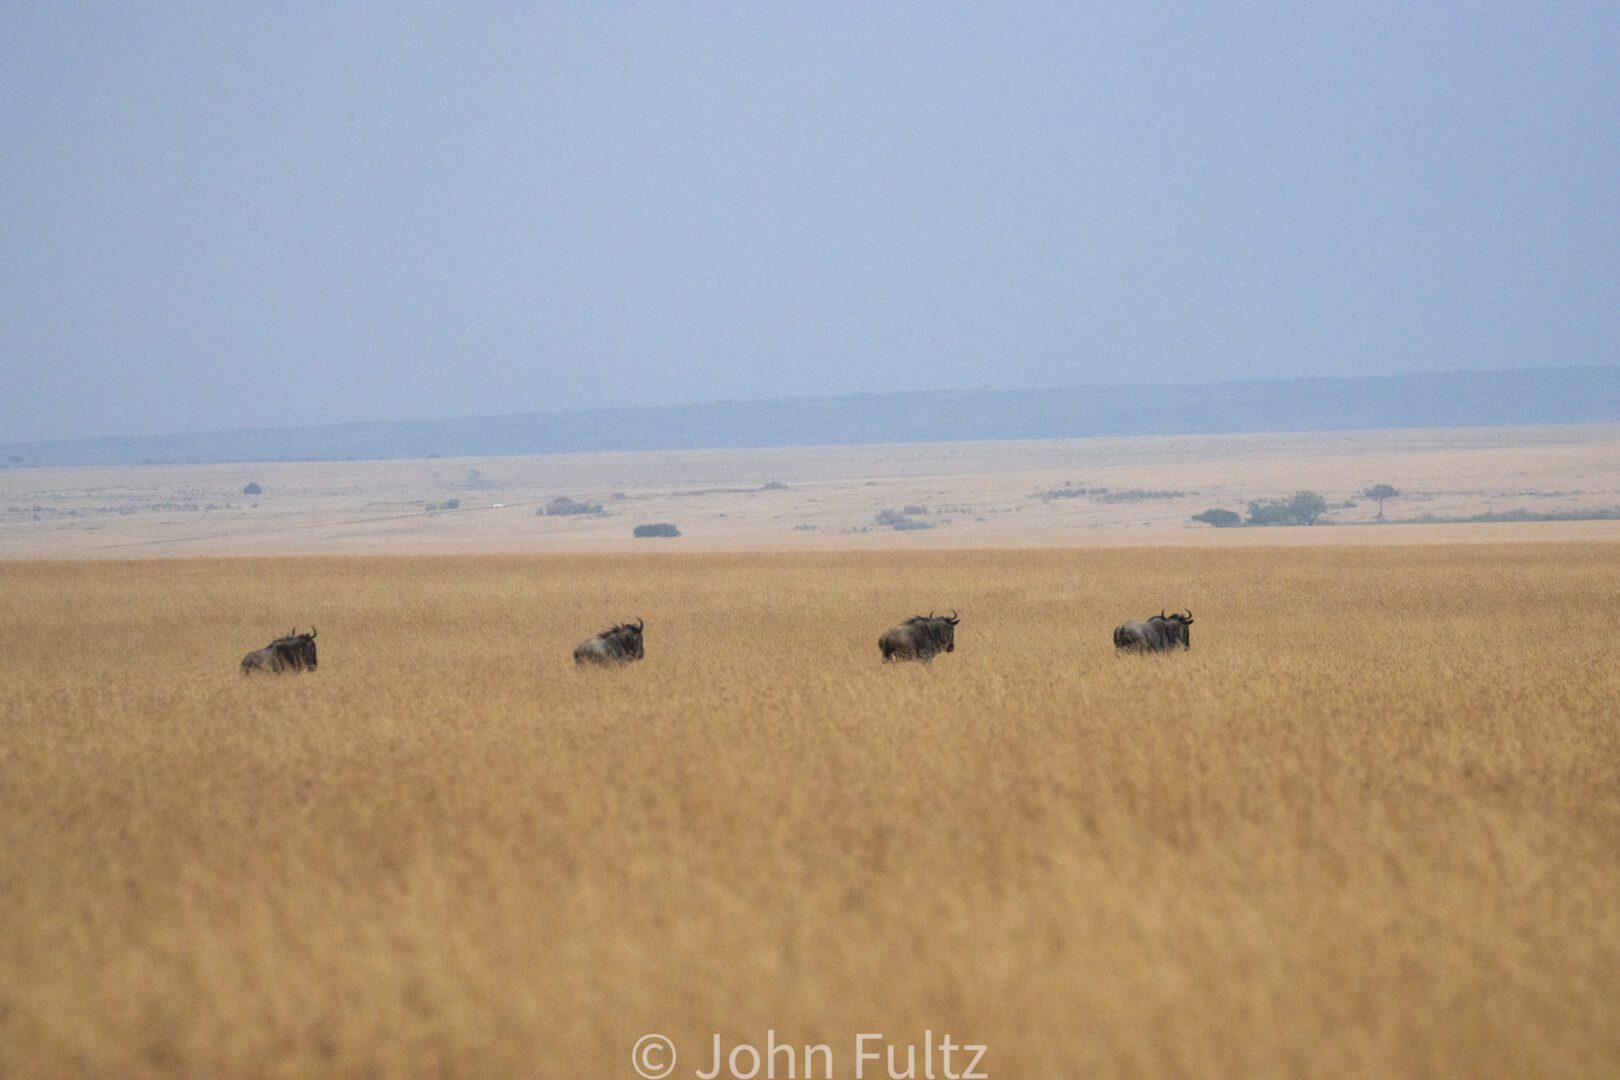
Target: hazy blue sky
226	215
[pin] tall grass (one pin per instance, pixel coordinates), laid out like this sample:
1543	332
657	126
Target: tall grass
1367	826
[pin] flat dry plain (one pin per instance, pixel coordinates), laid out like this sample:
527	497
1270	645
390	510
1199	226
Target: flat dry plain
1366	827
983	494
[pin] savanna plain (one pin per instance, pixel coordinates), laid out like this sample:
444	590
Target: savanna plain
1366	826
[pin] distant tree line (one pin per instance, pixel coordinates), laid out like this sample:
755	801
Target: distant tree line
1300	508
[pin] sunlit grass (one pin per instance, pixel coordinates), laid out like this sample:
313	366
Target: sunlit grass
1367	826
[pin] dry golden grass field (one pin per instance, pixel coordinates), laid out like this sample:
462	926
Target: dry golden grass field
1368	826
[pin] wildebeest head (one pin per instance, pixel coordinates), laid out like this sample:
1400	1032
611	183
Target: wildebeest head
618	644
629	635
303	645
1177	624
920	637
295	652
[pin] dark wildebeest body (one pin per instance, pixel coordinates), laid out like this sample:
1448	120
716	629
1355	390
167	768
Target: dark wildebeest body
920	638
1158	634
615	645
295	652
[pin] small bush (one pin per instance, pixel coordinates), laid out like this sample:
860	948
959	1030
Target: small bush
1270	512
661	528
253	488
1221	519
902	520
1302	509
774	485
563	506
1307	506
915	511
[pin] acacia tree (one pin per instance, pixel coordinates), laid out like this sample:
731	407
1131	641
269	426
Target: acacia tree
1380	492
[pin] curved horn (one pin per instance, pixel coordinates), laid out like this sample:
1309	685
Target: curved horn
312	631
1161	613
954	619
294	631
639	624
1188	616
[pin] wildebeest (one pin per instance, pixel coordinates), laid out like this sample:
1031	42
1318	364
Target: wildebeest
1161	633
295	652
920	637
616	645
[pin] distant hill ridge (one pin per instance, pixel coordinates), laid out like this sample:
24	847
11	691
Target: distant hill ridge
1453	399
